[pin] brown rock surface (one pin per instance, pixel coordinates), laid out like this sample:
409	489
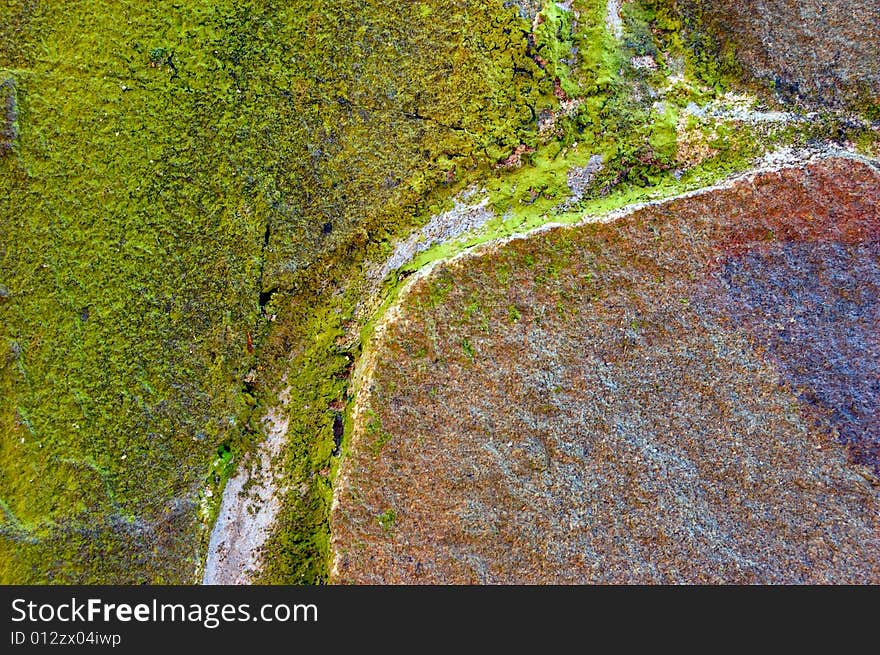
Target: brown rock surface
687	394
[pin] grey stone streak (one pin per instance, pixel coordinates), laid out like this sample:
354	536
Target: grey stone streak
247	516
440	228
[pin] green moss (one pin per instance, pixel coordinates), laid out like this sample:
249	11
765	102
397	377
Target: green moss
317	380
554	41
175	166
468	348
663	137
639	21
386	519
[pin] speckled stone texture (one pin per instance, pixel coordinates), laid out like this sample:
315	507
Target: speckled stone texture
688	394
827	52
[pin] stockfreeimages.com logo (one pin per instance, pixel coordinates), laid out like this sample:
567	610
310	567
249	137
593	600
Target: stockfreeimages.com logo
209	615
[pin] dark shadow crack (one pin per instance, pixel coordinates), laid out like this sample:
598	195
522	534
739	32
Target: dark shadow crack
265	295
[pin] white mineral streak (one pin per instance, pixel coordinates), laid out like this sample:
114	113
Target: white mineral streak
247	518
613	20
441	228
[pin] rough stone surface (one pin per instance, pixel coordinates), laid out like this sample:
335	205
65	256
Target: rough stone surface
827	52
687	394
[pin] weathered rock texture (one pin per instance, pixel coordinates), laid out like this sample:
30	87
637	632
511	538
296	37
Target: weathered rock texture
687	394
827	52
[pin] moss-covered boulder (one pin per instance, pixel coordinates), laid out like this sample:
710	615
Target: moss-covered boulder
685	394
